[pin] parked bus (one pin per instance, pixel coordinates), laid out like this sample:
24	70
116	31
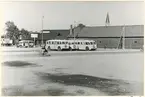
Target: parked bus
26	43
71	45
56	45
82	45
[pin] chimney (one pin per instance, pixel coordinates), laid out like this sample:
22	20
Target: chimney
71	29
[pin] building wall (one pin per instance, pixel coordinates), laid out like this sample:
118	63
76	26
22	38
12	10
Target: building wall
130	43
134	43
108	42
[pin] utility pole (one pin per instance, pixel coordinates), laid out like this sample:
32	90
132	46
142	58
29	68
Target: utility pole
34	42
123	37
74	34
42	30
74	30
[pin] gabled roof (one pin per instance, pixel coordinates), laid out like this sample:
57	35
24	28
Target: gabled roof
110	31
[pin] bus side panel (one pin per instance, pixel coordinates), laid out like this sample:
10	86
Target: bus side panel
82	46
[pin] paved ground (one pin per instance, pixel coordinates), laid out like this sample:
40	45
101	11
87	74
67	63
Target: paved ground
75	73
15	49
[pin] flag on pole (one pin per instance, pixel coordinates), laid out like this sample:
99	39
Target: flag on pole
107	19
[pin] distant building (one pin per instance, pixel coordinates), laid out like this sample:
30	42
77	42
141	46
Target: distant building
49	34
53	34
6	41
111	36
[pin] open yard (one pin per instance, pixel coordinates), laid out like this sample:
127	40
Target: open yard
71	73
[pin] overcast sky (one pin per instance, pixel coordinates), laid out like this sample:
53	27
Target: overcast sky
59	15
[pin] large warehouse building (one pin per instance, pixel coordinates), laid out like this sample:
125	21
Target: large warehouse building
112	36
105	36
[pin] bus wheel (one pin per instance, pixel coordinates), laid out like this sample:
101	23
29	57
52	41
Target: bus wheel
70	49
48	48
87	48
59	49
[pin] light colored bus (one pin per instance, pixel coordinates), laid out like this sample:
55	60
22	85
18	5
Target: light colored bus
25	43
82	45
56	45
71	45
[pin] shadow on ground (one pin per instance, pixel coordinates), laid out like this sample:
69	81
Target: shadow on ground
18	64
108	86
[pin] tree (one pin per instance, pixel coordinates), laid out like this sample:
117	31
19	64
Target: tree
25	34
12	31
81	25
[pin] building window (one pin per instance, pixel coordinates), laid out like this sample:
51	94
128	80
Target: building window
100	41
135	41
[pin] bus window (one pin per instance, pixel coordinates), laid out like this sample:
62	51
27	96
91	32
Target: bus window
63	42
49	42
52	42
72	42
91	43
87	43
57	42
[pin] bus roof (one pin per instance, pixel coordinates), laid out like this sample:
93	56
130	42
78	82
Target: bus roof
76	40
26	41
56	40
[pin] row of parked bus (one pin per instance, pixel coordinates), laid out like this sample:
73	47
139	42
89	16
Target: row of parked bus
63	44
70	45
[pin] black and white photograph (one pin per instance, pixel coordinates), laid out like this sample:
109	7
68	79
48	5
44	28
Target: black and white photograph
72	48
